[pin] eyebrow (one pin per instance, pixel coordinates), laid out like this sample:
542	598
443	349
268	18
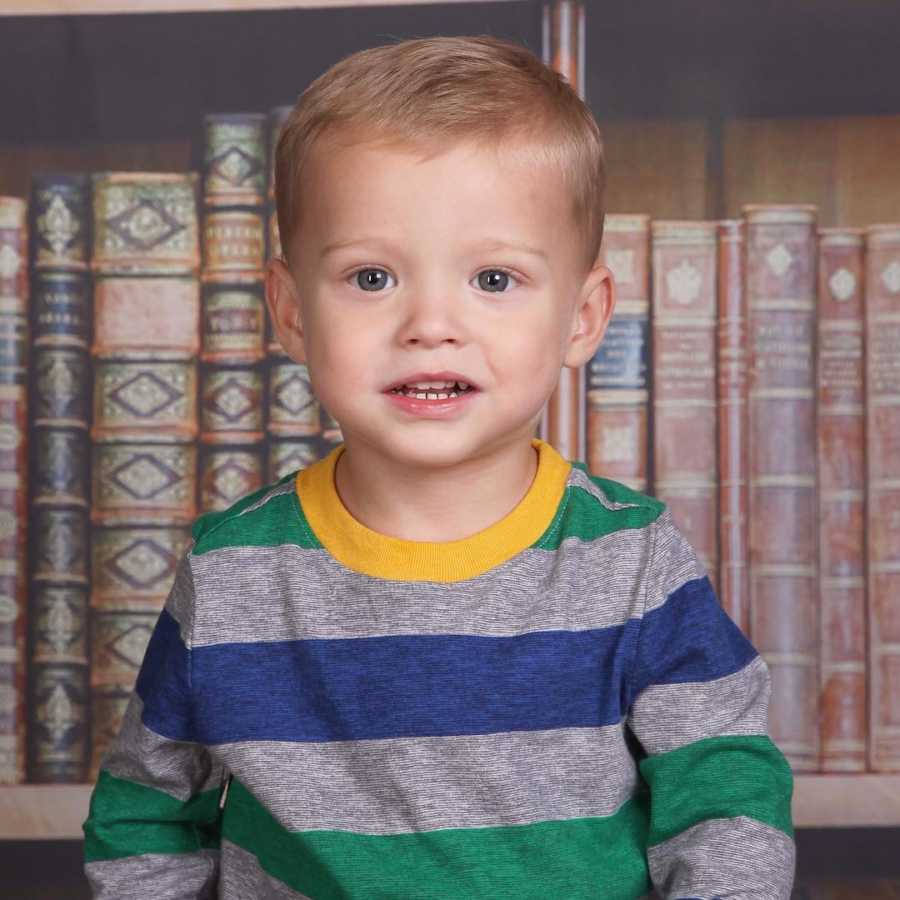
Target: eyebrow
489	244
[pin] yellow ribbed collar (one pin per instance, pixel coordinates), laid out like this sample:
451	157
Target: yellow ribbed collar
363	550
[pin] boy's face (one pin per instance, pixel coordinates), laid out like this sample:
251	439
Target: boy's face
423	284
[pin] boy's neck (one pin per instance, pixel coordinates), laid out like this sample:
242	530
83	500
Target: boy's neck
438	505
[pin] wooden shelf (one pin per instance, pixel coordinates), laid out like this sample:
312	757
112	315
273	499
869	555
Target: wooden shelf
104	7
56	812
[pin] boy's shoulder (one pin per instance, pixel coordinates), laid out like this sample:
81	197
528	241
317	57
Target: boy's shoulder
596	506
614	494
259	518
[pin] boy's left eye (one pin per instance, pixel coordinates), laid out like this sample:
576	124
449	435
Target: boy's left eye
498	277
493	280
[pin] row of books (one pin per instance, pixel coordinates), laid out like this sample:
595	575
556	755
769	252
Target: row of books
749	378
763	406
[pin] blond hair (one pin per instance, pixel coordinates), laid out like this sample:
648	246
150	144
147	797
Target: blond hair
448	89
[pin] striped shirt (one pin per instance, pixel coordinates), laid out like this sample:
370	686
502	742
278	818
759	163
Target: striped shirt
554	708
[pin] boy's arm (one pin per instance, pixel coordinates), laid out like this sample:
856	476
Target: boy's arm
720	790
152	828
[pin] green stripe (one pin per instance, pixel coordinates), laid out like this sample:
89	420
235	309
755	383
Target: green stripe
207	521
576	858
127	819
278	521
621	493
719	777
586	518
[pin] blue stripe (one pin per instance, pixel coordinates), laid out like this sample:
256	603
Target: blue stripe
689	638
409	685
331	689
163	681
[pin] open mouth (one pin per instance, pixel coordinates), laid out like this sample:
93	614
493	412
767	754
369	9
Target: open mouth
448	391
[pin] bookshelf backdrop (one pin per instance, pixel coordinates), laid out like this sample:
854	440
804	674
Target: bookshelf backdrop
749	378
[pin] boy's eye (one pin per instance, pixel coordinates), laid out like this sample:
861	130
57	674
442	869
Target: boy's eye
372	279
490	279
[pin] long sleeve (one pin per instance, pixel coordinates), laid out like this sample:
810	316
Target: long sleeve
720	789
153	826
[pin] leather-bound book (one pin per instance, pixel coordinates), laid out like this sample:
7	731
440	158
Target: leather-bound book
232	389
734	551
60	225
683	330
232	401
13	485
234	159
784	602
59	469
617	378
882	341
295	422
144	427
842	547
145	223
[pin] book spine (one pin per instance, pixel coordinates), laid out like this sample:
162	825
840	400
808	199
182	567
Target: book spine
734	568
784	609
144	431
618	393
683	329
59	406
882	338
232	373
296	423
841	485
14	335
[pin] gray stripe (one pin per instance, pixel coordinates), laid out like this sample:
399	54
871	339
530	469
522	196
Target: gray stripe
162	876
737	857
243	878
178	768
399	785
180	601
667	716
580	479
288	593
674	562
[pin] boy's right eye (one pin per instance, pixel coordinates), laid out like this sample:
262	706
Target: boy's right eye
373	278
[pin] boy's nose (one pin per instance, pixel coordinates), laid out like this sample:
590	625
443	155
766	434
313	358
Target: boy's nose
431	320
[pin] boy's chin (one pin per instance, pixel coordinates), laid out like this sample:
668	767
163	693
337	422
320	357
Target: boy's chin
442	447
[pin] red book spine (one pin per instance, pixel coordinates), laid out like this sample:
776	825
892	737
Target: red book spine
683	329
842	549
883	502
734	570
784	608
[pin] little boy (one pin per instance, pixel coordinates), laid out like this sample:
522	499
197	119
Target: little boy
443	662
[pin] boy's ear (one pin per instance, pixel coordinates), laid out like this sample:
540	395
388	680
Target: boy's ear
593	310
284	308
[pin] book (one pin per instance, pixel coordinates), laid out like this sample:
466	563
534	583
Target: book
683	374
841	485
734	551
784	596
617	441
882	339
60	489
144	428
232	389
14	333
